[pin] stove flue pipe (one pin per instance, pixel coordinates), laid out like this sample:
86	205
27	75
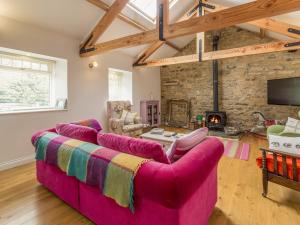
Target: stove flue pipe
215	69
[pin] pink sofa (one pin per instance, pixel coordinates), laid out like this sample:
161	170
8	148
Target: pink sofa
183	193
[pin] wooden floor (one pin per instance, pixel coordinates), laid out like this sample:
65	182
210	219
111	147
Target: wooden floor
24	202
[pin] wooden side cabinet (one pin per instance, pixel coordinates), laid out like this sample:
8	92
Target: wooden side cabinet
150	112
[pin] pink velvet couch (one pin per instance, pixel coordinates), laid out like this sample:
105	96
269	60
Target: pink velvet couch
183	193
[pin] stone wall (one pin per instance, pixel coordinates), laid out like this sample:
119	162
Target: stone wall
242	80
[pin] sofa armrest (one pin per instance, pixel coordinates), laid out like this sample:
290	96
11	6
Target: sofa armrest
38	133
172	185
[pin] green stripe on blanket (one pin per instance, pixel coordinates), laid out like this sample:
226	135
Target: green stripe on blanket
119	178
79	160
41	145
65	152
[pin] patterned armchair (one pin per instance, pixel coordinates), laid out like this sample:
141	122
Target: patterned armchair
117	125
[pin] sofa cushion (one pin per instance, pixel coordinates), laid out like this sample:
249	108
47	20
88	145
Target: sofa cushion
93	123
134	146
74	131
182	145
292	126
270	165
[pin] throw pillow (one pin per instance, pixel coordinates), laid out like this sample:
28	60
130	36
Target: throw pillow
124	114
182	145
129	119
74	131
93	123
292	126
134	146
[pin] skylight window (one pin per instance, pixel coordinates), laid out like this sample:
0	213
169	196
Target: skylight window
147	8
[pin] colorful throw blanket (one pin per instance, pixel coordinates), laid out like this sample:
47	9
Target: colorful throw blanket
112	171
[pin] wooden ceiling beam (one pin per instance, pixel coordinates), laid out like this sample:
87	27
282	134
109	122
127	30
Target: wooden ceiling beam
228	53
228	17
105	22
262	32
156	45
264	24
102	5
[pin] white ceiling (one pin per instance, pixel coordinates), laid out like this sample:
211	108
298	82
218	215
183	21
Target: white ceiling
77	17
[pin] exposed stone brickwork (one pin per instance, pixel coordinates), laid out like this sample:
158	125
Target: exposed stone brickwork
242	80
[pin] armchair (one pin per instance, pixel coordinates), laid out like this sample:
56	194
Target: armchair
117	124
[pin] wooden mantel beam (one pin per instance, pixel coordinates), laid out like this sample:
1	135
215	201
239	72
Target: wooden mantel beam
239	14
105	22
228	53
102	5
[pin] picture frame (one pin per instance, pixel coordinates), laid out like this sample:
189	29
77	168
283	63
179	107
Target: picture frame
61	103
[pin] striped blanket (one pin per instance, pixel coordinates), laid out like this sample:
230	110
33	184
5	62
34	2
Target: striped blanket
113	172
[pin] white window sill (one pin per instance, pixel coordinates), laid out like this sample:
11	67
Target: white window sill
32	111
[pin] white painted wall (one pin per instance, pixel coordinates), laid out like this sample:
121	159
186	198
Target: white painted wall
87	89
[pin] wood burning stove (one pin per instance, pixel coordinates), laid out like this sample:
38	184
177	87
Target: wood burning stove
216	120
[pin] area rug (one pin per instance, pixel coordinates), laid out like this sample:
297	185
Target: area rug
236	149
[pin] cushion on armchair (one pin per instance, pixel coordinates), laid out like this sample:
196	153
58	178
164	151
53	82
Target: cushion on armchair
129	119
134	146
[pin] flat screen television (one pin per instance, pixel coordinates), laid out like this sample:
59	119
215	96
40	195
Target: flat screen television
284	91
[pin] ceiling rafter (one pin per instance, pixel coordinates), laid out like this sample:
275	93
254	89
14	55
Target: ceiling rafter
102	5
157	44
264	24
239	14
105	22
228	53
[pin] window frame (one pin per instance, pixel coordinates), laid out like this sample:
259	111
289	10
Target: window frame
125	72
146	15
32	57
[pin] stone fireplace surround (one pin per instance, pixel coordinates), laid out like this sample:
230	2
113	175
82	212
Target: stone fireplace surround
242	80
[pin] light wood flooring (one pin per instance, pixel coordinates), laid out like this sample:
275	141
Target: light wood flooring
24	202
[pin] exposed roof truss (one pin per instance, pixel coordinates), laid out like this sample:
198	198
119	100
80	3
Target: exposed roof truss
216	17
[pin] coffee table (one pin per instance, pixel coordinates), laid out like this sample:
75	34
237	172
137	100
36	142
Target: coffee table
165	141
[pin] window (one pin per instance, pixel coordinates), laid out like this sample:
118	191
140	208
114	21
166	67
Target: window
119	85
147	8
28	83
